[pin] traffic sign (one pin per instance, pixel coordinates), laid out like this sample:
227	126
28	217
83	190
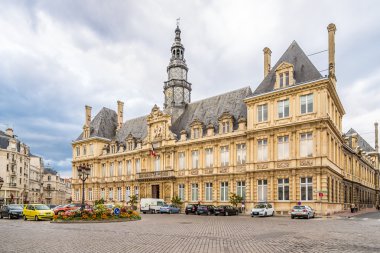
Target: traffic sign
116	211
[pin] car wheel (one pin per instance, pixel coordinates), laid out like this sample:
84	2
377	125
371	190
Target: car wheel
265	214
313	215
292	217
25	217
186	213
208	213
170	212
308	216
1	216
36	218
9	216
153	211
144	212
215	214
226	213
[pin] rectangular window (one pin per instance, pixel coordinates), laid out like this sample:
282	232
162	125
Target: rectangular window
181	160
262	113
194	192
286	78
241	153
240	189
208	191
225	127
84	150
281	80
127	193
111	169
195	159
119	194
262	189
307	103
306	145
77	195
138	165
136	190
181	191
78	151
157	164
283	147
262	150
306	188
91	149
90	194
129	167
120	169
209	158
103	194
110	193
224	191
283	189
196	132
283	108
224	156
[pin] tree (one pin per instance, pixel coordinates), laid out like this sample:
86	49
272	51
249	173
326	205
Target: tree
177	201
133	201
235	199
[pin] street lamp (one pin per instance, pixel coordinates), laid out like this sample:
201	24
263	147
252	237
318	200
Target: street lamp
1	182
83	172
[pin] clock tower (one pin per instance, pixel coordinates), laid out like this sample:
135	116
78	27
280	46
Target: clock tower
177	90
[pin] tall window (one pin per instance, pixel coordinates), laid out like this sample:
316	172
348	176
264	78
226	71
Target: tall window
306	188
181	191
306	103
262	113
209	158
225	127
103	193
181	160
262	189
224	191
241	153
283	108
90	194
127	193
208	193
129	167
284	79
196	133
138	165
120	169
84	150
262	150
283	189
111	169
283	147
110	193
224	156
195	159
103	169
240	189
306	145
119	194
78	151
91	149
194	192
77	195
157	164
136	190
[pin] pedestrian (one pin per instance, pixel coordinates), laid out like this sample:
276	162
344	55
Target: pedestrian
243	206
352	207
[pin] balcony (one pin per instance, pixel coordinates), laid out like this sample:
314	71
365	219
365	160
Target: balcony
12	184
13	173
155	175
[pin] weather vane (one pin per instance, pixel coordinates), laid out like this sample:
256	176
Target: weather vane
178	21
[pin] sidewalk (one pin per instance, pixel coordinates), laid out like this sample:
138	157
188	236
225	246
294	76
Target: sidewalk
348	214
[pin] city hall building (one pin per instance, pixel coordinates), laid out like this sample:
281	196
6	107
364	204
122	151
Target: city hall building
280	143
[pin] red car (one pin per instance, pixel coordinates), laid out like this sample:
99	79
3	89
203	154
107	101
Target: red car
63	209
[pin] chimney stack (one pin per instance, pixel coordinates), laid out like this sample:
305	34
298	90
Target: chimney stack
120	106
88	116
267	57
376	137
332	29
9	131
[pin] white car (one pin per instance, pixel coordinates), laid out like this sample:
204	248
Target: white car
151	205
262	209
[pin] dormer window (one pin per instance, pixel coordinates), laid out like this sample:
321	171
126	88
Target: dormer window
225	123
113	149
196	129
196	133
284	75
225	127
284	79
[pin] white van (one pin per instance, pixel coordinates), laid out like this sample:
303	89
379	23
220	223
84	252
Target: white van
151	205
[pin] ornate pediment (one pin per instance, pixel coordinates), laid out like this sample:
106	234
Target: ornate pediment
159	126
196	122
284	65
225	116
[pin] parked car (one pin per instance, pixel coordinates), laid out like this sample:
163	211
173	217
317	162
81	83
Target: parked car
302	211
203	209
63	209
191	209
37	212
226	210
151	205
263	209
11	211
169	209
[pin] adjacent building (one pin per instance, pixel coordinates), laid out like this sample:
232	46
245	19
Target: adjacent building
281	143
36	169
55	188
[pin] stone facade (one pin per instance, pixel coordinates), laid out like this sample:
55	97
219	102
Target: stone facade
35	179
282	143
56	190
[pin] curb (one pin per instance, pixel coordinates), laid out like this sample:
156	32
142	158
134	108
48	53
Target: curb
90	221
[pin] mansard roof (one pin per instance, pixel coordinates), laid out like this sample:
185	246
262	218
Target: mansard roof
304	70
4	141
361	142
136	127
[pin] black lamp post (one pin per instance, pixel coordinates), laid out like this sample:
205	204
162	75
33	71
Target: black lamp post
83	172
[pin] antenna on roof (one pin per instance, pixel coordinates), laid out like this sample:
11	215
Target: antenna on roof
318	52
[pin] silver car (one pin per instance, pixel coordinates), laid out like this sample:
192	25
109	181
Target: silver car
302	211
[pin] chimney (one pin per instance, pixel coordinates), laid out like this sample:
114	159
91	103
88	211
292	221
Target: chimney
376	137
120	106
267	54
9	132
332	29
88	116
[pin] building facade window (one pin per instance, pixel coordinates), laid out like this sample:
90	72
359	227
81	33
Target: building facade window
103	193
89	194
262	150
209	158
283	147
103	170
283	189
208	191
119	194
240	189
262	113
111	170
224	191
262	190
181	160
241	153
91	149
84	150
78	151
195	159
284	79
181	191
225	127
129	167
194	192
136	190
157	163
127	193
196	133
224	156
306	188
306	145
306	103
110	193
138	165
283	108
77	195
120	168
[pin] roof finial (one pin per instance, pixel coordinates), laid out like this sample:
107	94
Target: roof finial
178	19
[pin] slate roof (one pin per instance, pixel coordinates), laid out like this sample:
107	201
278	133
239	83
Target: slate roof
304	70
50	171
4	141
137	127
361	142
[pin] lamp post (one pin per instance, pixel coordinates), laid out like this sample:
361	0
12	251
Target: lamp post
83	172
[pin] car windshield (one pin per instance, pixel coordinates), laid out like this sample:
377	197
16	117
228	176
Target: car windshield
15	207
160	203
42	207
299	207
260	206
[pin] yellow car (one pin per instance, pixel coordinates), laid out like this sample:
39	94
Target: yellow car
37	212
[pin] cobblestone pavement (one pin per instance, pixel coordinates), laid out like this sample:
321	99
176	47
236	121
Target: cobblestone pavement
190	233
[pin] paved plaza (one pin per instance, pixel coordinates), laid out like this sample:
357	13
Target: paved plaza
190	233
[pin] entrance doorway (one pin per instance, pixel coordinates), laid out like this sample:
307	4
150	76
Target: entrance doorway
155	191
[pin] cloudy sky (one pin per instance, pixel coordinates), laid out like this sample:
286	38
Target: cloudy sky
57	56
